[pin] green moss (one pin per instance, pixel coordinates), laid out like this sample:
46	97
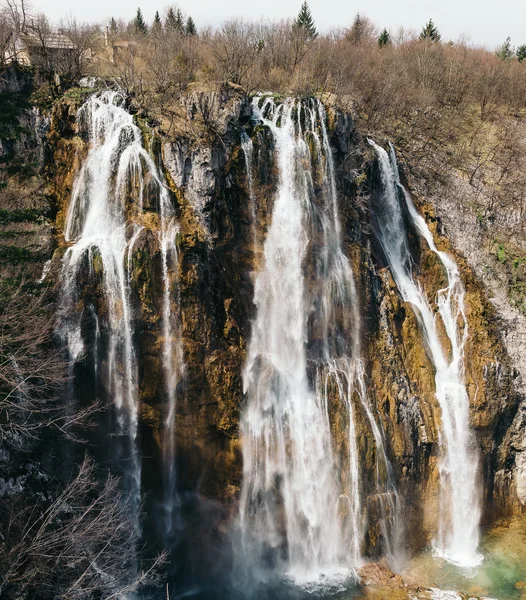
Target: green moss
360	179
25	215
9	284
11	107
43	97
13	254
11	234
514	264
78	95
277	97
97	264
141	271
313	146
147	126
501	253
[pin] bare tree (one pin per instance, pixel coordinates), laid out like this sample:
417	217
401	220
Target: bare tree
55	542
14	15
66	547
236	47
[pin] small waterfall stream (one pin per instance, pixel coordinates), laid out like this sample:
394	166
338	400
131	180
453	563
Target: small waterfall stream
173	359
103	226
458	537
248	151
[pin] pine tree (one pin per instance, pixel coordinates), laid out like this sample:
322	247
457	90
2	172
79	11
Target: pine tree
157	23
140	24
305	23
113	26
357	30
384	39
179	21
521	53
170	22
430	32
191	29
505	52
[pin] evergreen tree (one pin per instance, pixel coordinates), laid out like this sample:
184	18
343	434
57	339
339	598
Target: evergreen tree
170	22
113	26
521	53
304	22
179	21
191	29
430	32
357	30
140	24
157	23
505	52
384	39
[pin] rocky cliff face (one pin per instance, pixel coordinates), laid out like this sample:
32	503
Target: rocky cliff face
489	237
223	214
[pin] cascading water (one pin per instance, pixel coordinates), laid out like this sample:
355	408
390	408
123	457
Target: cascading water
458	535
172	352
297	510
103	225
248	151
96	226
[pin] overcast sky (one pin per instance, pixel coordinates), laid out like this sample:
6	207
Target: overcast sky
485	22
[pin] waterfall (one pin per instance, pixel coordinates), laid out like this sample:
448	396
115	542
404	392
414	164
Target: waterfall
458	536
248	150
172	352
104	221
298	510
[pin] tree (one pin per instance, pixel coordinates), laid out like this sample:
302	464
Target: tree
5	38
362	29
430	32
355	33
157	23
190	27
304	22
16	14
505	52
521	52
55	540
384	39
235	47
179	21
170	22
140	24
174	20
113	26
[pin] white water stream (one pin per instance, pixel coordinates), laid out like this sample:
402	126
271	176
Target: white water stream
458	536
298	509
108	196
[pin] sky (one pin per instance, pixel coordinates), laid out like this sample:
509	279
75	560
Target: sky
484	22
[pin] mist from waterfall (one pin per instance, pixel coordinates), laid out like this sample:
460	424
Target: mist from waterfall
103	224
458	536
301	506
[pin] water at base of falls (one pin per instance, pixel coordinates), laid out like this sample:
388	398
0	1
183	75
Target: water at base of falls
301	512
458	536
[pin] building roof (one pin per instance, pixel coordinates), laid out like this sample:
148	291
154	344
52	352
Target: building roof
52	40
